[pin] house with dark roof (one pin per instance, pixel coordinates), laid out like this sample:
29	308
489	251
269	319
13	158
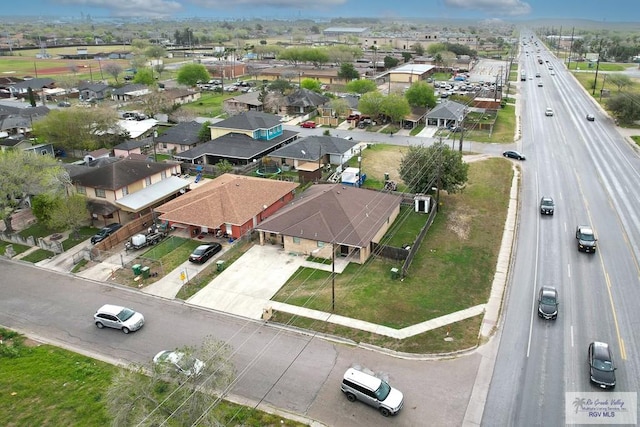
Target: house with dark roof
236	148
93	91
142	146
303	101
330	220
178	96
240	139
120	189
20	89
20	120
447	114
231	204
179	138
311	154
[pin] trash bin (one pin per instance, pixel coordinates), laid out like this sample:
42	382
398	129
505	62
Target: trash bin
220	265
395	273
145	272
136	269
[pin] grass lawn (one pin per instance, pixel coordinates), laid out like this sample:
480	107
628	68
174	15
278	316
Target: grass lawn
37	256
84	233
209	105
453	269
47	386
37	230
17	248
503	130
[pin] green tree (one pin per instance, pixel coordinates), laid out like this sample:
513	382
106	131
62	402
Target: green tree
78	128
421	167
280	85
348	72
224	166
418	49
32	98
42	205
339	106
625	107
395	107
434	48
371	103
311	84
135	398
361	86
406	56
69	213
420	94
190	74
25	174
390	62
144	76
204	134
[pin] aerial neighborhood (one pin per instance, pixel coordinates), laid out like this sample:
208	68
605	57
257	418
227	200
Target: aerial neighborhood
297	215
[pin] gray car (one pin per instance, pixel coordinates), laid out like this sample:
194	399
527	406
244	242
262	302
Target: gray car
373	391
547	206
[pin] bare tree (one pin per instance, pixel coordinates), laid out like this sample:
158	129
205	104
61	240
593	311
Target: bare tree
113	69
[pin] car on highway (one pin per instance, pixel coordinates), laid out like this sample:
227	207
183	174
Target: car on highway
512	154
547	206
602	371
590	117
548	303
537	74
586	239
308	124
118	317
181	362
203	252
540	83
373	391
105	232
548	112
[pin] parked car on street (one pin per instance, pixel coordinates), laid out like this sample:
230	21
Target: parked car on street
182	363
373	391
308	124
202	253
512	154
105	232
118	317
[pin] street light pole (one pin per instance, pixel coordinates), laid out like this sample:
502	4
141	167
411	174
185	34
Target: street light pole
333	277
153	139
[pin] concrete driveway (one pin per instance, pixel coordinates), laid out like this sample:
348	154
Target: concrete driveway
246	286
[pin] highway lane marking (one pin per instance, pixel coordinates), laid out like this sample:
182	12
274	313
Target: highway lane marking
623	353
572	343
569	271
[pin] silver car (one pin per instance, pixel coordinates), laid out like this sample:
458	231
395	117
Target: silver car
118	317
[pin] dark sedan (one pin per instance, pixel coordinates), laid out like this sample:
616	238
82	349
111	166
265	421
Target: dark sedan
105	232
591	117
548	303
203	253
601	369
512	154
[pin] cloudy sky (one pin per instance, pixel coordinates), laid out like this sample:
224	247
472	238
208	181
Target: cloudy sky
612	10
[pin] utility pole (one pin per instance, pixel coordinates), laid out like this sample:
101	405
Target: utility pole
595	81
558	45
570	49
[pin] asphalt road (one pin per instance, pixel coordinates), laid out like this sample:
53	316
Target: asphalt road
276	367
592	173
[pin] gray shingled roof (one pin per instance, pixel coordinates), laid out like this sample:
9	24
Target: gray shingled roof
313	147
119	174
185	133
306	98
131	144
37	83
250	120
447	110
334	213
235	146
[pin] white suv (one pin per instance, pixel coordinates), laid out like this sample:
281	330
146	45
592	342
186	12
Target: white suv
115	316
373	391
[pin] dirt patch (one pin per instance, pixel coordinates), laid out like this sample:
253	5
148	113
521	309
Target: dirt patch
381	159
460	223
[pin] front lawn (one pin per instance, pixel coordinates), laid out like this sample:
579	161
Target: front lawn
452	270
